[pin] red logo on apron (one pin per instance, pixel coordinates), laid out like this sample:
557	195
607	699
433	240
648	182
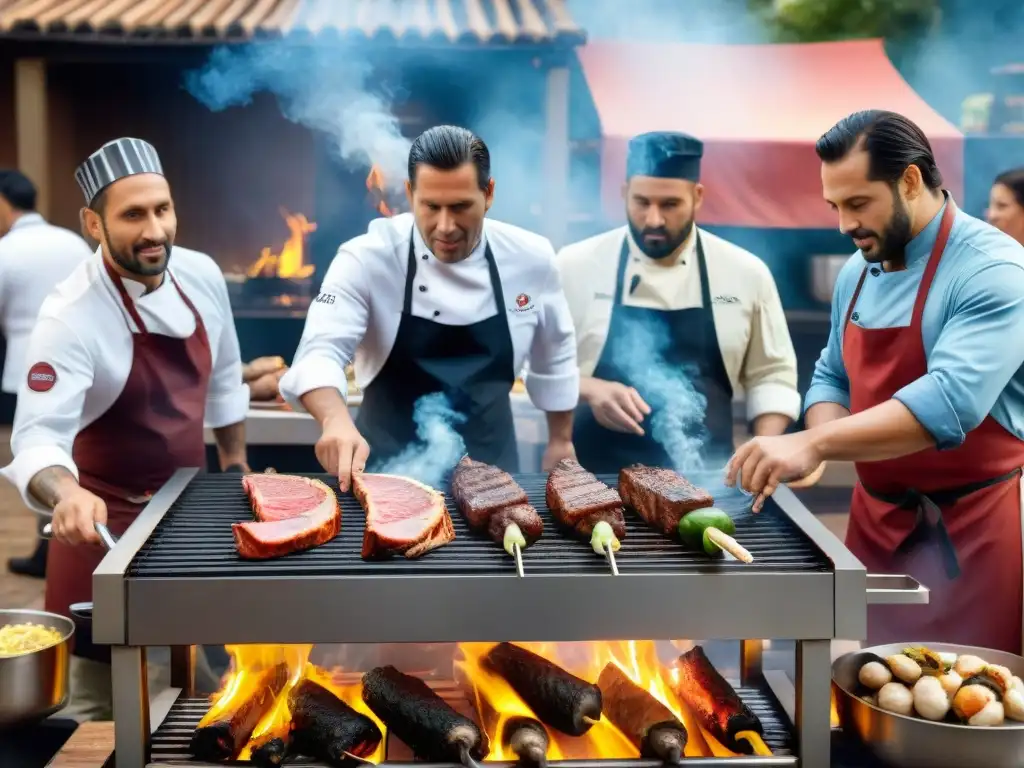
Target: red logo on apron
41	377
522	300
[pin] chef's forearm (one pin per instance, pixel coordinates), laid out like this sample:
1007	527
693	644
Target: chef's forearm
325	403
559	426
771	424
48	486
230	441
887	431
823	413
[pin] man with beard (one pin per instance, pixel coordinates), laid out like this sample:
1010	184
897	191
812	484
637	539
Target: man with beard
670	322
921	384
128	356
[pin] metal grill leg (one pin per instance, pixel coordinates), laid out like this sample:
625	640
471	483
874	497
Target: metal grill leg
751	668
130	688
183	669
813	702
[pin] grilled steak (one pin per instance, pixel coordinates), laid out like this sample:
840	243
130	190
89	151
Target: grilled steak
491	500
292	523
402	516
579	501
661	496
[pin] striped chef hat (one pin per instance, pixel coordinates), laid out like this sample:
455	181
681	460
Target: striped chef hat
116	160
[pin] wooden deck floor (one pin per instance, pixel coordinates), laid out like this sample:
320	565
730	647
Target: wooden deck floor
17	538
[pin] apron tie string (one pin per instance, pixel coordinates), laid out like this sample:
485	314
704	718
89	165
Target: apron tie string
930	521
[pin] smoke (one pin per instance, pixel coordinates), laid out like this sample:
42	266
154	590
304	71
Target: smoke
439	448
676	422
322	86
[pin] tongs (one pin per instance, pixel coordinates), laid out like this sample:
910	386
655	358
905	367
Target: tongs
84	610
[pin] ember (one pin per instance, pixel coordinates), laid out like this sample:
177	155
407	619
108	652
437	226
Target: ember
290	263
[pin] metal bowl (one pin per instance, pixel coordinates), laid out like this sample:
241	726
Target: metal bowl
34	685
912	742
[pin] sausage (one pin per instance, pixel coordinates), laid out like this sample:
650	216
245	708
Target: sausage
327	728
713	701
224	735
644	720
419	717
527	739
558	698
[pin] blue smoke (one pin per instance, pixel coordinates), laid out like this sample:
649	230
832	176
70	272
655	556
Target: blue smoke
676	422
322	86
439	448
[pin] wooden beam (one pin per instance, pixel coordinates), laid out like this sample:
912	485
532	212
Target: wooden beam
32	126
556	155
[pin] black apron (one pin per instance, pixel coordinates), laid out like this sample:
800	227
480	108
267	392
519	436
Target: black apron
472	364
694	342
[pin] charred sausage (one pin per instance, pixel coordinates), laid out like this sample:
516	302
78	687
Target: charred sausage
420	718
713	701
327	728
644	720
527	739
558	698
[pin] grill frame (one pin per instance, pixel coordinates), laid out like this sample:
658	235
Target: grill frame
763	603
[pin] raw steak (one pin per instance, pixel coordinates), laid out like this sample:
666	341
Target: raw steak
292	523
402	516
578	500
491	500
661	496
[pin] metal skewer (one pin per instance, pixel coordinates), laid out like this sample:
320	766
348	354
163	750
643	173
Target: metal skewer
518	554
611	559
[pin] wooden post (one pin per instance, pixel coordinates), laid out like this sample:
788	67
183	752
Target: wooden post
556	155
32	126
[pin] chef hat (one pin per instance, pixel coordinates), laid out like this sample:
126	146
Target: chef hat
664	154
116	160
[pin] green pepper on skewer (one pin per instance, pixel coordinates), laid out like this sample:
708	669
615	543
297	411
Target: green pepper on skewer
710	529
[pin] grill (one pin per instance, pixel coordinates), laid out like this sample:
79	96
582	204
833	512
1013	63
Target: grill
174	579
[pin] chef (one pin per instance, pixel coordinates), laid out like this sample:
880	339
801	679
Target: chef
34	256
715	307
922	385
437	300
128	356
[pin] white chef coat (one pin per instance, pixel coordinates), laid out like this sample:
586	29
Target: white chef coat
34	256
357	313
82	333
749	321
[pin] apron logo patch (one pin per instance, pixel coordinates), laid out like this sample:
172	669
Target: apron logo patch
523	303
41	377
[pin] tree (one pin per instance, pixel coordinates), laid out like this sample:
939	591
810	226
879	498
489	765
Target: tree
820	20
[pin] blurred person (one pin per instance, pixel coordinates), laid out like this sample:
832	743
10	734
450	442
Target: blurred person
717	303
129	356
442	299
34	256
1006	204
921	385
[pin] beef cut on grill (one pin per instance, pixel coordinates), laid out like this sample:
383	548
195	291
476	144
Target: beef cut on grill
292	513
661	496
491	501
402	516
579	501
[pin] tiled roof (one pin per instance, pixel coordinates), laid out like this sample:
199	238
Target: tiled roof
408	21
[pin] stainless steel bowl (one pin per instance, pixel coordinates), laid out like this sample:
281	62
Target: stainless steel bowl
911	742
34	685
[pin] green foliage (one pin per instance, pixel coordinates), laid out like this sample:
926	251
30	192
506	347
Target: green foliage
819	20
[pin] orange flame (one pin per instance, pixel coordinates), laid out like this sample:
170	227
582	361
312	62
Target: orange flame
291	261
375	184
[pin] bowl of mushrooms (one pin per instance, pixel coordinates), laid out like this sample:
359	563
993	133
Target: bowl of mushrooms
933	705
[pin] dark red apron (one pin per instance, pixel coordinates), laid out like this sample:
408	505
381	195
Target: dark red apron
153	428
951	519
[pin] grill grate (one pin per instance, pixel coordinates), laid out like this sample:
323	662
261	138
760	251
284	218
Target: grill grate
194	539
171	740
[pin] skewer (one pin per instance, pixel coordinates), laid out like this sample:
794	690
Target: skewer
610	551
517	553
467	759
590	720
724	541
753	738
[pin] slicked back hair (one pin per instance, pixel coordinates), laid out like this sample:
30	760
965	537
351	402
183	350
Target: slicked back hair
1014	181
892	141
18	190
446	147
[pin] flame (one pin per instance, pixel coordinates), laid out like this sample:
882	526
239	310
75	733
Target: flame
375	184
291	261
248	661
637	659
834	710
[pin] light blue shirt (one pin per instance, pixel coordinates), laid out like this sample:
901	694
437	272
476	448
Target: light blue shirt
973	329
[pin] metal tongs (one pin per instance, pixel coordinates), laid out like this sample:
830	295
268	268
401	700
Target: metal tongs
84	610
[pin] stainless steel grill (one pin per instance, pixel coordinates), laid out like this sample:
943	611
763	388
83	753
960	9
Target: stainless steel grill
175	579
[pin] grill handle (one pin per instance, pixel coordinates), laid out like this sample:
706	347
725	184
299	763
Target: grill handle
83	611
901	589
